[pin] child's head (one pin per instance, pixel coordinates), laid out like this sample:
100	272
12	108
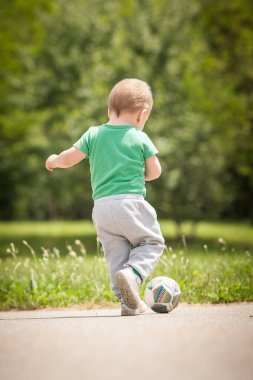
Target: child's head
131	96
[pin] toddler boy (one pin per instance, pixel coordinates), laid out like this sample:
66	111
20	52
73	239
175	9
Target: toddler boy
122	158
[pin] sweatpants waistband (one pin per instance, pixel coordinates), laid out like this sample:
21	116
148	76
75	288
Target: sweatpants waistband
119	196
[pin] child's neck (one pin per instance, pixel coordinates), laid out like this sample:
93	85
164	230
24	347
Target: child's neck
123	119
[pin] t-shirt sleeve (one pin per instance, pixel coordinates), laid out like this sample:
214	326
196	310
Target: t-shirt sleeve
149	149
84	143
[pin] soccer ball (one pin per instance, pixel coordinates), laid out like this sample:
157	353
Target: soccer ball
162	294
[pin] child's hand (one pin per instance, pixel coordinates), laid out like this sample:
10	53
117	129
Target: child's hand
50	164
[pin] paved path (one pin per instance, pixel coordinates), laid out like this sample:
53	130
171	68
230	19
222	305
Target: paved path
192	343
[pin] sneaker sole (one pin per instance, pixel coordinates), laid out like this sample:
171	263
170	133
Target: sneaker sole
127	294
129	313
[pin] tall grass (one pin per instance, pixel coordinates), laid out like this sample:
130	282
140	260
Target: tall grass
48	279
52	280
212	278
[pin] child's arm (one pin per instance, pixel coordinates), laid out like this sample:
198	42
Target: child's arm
65	159
152	168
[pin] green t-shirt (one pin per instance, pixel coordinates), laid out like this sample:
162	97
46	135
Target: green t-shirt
117	157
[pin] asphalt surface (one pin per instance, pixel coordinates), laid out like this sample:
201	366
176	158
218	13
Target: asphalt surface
193	342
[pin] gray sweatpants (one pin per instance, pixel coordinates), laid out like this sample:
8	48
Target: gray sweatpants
129	232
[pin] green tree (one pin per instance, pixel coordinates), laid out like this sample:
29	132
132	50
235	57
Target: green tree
59	66
227	28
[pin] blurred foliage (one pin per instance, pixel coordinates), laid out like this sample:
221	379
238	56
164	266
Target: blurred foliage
59	61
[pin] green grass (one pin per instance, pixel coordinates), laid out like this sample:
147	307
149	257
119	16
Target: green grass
235	232
46	234
60	234
51	228
56	271
51	280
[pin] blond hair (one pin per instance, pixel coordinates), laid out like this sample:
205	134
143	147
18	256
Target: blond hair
130	95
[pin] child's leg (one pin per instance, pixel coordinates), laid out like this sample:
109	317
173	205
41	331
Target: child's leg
120	221
138	222
116	248
116	251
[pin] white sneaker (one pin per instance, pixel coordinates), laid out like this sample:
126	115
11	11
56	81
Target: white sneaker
125	311
128	284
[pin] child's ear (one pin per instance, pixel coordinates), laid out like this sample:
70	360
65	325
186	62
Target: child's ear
142	115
